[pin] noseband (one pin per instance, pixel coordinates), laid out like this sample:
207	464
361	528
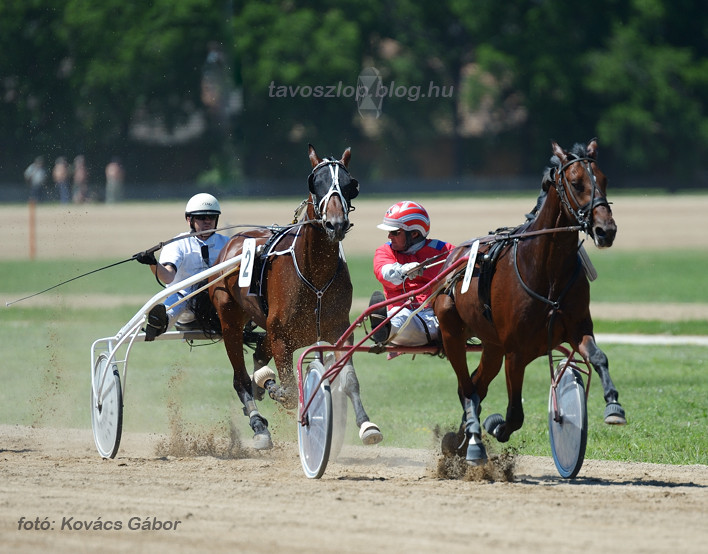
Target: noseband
583	214
334	189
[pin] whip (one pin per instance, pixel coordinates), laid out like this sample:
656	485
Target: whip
150	250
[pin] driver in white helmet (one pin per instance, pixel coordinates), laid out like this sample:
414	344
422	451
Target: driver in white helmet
397	266
184	258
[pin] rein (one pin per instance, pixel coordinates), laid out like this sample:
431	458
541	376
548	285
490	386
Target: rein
150	250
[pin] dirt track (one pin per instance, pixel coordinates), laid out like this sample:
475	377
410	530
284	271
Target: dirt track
372	499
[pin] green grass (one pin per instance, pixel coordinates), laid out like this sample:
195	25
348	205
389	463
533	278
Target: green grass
674	276
45	367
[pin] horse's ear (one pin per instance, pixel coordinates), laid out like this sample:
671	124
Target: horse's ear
314	158
591	149
346	157
559	153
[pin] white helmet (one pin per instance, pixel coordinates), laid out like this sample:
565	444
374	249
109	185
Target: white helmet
202	204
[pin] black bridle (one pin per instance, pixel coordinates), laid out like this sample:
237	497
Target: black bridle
320	204
583	213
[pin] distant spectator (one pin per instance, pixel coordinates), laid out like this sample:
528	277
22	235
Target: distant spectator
36	178
81	191
114	181
62	177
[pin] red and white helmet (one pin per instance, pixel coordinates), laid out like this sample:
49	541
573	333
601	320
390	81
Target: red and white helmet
406	215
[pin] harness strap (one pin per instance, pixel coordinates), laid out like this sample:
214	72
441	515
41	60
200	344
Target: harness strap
319	293
554	304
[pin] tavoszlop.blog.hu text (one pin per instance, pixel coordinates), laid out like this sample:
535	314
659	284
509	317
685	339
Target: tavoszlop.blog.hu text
412	93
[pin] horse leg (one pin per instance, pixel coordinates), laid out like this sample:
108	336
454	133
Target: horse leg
287	391
261	357
369	433
233	339
488	368
614	413
495	424
454	343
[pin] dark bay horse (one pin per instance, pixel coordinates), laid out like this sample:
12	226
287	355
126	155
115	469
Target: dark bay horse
538	297
302	295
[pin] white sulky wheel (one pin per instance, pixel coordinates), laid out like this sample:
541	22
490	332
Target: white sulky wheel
569	435
106	407
315	436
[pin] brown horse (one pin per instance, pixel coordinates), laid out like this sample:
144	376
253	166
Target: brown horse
302	294
536	298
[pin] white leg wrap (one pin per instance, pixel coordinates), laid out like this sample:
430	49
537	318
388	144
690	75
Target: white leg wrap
262	375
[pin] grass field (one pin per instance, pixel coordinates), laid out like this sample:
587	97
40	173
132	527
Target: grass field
45	367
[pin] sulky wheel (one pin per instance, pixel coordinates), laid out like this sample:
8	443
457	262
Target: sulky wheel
315	434
568	429
106	407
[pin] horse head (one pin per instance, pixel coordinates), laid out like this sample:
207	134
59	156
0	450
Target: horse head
581	186
331	191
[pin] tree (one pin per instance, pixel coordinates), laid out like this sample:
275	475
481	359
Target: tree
653	93
289	58
102	77
36	95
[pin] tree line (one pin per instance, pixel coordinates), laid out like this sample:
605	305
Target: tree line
223	91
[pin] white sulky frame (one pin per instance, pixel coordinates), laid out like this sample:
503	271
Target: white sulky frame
130	333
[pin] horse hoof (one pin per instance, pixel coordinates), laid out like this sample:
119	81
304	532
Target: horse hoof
476	454
369	433
281	395
262	441
288	401
614	414
476	463
493	423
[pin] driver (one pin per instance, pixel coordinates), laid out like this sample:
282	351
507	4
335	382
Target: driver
397	267
182	259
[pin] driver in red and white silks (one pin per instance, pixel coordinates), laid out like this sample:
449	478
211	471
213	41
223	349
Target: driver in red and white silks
397	267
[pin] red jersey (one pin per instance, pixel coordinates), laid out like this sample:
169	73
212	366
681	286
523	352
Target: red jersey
385	255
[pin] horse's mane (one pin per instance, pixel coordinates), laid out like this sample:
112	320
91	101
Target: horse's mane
577	151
